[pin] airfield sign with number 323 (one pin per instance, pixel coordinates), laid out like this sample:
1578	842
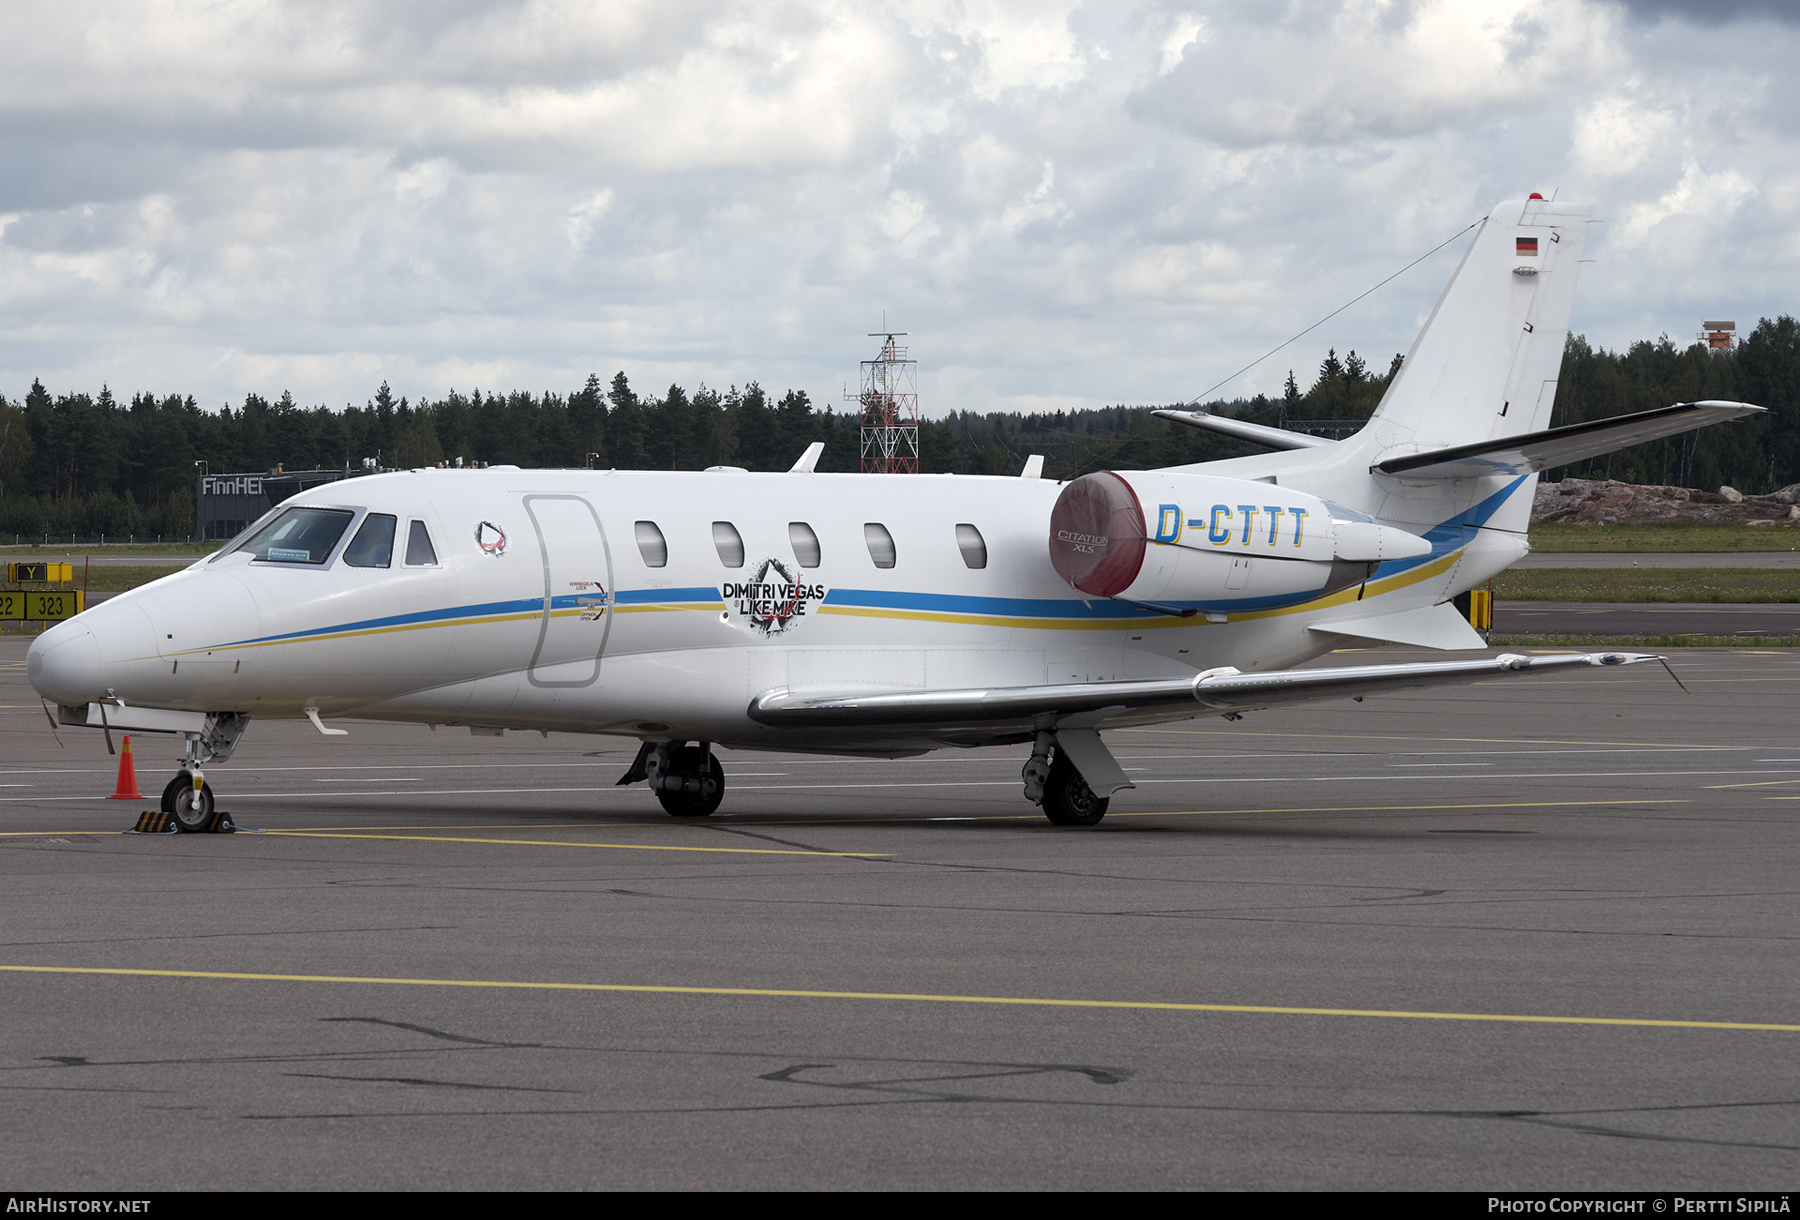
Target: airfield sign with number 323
40	605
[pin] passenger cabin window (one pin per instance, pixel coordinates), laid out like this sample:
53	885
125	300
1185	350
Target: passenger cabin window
651	544
299	535
805	543
729	543
373	546
970	543
880	543
419	551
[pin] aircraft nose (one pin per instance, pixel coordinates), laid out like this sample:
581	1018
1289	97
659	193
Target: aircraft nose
63	665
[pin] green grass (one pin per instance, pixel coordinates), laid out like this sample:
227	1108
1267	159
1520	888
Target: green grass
1722	585
1613	539
111	578
101	578
66	553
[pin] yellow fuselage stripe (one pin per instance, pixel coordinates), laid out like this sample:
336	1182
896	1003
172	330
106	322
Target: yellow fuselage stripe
1389	584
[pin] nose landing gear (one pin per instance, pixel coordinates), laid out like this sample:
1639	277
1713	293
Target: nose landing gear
190	798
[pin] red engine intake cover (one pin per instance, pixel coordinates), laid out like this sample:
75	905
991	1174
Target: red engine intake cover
1097	534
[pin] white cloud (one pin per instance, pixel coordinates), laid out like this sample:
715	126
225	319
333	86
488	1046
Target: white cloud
1184	34
580	225
1070	204
1614	134
1708	198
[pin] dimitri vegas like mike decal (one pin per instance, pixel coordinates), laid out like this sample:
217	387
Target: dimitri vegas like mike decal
773	598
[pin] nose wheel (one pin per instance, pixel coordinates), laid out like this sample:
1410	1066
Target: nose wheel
193	808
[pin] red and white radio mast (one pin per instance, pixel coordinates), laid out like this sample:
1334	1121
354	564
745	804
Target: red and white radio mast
889	406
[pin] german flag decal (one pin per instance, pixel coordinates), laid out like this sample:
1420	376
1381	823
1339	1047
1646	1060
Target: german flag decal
1527	247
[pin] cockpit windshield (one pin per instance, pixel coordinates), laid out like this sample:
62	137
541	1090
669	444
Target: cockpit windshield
299	535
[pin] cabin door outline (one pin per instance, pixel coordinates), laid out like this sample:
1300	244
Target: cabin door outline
578	591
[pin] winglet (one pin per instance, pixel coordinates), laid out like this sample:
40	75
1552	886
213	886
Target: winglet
809	459
1034	467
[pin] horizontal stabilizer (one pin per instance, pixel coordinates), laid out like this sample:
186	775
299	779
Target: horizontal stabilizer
1243	430
1536	451
1425	627
1212	691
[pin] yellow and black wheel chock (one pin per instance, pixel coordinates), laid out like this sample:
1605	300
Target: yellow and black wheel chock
156	822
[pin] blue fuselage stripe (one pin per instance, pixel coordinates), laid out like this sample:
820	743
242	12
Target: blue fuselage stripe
1444	538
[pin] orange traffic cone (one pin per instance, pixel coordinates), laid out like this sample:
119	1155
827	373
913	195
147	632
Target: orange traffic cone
127	777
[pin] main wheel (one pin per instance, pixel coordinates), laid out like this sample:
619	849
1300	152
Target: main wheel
193	810
1068	801
692	762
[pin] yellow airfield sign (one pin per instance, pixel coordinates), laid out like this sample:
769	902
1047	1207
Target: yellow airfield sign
41	605
49	573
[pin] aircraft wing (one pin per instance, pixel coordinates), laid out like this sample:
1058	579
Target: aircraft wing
1214	691
1534	451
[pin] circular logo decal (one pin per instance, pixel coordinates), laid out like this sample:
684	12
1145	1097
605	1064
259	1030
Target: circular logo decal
772	599
490	538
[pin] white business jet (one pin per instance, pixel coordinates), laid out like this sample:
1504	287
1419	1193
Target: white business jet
882	616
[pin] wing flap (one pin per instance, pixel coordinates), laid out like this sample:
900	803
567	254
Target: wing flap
1536	451
1212	691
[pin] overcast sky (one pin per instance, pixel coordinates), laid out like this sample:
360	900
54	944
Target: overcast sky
1066	205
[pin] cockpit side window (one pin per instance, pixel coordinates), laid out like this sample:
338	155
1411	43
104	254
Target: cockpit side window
299	535
419	551
373	546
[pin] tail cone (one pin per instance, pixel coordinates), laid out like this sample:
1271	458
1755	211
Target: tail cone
127	777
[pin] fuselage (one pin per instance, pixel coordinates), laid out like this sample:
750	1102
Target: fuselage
658	605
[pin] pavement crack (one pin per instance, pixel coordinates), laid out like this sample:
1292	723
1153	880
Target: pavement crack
438	1033
1653	1137
750	834
922	1087
421	1081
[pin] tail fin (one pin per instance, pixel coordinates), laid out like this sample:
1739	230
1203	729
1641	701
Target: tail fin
1486	364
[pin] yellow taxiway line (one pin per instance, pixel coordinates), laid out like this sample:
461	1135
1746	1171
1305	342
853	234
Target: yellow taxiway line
906	997
823	823
736	851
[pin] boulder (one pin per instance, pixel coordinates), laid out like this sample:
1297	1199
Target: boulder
1607	501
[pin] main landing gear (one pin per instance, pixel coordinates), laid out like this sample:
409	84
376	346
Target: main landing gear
687	779
1052	781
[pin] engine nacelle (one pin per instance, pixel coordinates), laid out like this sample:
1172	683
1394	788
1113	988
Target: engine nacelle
1204	543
